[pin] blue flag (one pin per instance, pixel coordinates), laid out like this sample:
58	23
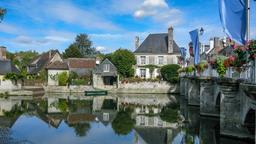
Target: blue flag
183	53
196	49
233	19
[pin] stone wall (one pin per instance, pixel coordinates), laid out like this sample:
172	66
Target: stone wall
147	87
70	89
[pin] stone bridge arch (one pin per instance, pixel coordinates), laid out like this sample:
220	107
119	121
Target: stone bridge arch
210	97
248	105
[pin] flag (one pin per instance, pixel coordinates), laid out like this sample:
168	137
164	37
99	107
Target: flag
195	41
183	53
233	19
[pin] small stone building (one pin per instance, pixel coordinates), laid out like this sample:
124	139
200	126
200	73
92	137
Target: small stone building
105	75
82	66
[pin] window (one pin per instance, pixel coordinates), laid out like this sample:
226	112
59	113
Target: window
160	60
143	73
106	67
142	60
105	116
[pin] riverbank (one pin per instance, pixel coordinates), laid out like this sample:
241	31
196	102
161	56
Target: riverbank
160	87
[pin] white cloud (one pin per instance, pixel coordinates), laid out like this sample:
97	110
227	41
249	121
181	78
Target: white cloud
64	11
159	11
10	29
100	48
155	3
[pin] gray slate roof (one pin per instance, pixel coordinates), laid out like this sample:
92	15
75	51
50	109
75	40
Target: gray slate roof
41	62
156	44
99	69
153	135
6	67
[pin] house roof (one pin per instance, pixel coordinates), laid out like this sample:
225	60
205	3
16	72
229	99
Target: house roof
99	69
153	135
156	44
41	61
6	67
57	65
81	62
227	51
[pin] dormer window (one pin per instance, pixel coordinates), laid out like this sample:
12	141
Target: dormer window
106	68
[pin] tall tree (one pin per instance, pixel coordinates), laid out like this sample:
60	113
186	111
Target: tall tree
124	60
72	52
84	45
2	13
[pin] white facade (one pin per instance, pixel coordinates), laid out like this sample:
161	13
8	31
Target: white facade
149	59
7	84
54	81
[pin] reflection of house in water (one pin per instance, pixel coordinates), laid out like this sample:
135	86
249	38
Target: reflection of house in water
152	121
105	109
7	104
80	111
144	104
147	109
153	136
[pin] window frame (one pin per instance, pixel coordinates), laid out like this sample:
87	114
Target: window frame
106	67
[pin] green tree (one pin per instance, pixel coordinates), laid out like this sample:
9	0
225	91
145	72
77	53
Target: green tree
81	129
2	13
84	44
12	76
72	52
123	124
124	60
63	79
170	72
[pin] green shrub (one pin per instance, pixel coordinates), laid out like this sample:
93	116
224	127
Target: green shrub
170	73
63	78
79	82
170	113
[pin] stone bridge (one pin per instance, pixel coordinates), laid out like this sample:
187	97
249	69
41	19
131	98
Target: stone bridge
233	101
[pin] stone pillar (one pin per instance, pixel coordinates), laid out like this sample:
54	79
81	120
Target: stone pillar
230	110
209	92
186	87
209	130
194	91
182	86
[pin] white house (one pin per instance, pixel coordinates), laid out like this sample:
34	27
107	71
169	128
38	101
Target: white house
55	68
157	49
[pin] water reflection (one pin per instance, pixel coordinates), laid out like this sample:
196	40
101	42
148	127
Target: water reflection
141	119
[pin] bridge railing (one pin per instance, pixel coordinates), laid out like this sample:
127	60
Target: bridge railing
231	72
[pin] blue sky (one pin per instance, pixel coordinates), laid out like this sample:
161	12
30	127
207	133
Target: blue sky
111	24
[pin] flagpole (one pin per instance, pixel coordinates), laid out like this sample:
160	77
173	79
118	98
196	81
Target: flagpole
248	20
253	72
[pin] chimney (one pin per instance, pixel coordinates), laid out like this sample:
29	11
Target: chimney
137	42
3	53
170	39
50	54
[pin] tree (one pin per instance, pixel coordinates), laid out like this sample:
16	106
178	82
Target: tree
72	52
63	79
84	44
170	72
124	60
123	124
2	13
